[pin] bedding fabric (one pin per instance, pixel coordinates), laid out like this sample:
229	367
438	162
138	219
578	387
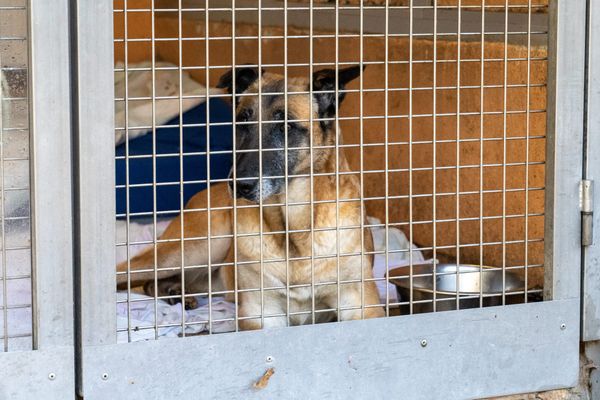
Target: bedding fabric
169	162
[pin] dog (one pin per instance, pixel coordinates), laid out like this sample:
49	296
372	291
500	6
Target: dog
299	258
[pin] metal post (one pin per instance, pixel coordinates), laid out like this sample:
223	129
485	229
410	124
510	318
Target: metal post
51	174
564	151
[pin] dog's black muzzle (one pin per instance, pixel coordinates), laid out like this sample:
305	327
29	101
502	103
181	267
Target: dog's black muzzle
245	188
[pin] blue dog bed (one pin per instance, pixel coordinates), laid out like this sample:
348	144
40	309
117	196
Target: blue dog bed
141	199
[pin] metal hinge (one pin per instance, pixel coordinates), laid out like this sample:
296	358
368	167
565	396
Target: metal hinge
586	203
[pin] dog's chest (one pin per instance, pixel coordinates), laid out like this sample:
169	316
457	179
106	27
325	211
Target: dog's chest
315	244
300	263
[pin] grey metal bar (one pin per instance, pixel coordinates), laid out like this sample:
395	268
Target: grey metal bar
317	64
363	355
208	199
311	150
302	6
94	149
458	138
234	219
505	127
338	138
410	166
51	209
5	332
48	372
362	157
154	172
181	185
527	142
434	153
286	163
127	156
591	278
261	224
564	153
481	137
386	149
43	374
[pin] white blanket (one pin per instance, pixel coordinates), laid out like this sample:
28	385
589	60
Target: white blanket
397	257
139	84
141	309
170	318
141	322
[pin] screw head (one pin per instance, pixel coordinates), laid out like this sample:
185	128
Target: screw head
52	376
104	376
423	343
270	359
563	327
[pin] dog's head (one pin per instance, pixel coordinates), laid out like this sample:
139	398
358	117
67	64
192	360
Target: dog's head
254	182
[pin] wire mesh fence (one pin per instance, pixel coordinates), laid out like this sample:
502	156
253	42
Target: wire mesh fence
15	248
283	163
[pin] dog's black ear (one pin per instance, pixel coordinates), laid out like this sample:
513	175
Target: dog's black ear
244	77
324	81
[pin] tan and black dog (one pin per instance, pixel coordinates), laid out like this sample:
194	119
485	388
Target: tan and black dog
327	270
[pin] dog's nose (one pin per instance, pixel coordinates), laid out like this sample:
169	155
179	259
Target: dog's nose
245	188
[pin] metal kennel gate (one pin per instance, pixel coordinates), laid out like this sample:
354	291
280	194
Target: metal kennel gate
471	353
37	358
525	347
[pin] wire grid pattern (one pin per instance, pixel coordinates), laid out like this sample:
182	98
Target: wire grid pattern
445	131
15	250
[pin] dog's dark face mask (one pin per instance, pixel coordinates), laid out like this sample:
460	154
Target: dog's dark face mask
262	173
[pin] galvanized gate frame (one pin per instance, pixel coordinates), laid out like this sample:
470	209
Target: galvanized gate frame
48	371
469	353
591	278
591	173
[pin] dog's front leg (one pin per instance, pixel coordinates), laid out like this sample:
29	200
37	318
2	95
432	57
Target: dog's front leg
251	315
167	255
353	305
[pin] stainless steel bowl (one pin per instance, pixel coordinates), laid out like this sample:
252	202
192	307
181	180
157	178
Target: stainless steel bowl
471	281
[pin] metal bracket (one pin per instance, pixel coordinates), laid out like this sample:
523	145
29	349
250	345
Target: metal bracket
586	203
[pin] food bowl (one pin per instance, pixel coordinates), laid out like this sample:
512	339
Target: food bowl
476	286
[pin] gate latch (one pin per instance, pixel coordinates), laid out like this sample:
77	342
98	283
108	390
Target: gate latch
586	200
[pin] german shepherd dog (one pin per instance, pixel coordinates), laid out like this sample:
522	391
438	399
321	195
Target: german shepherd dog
300	258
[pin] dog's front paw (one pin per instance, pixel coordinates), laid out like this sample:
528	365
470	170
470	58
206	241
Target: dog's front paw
172	290
191	303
